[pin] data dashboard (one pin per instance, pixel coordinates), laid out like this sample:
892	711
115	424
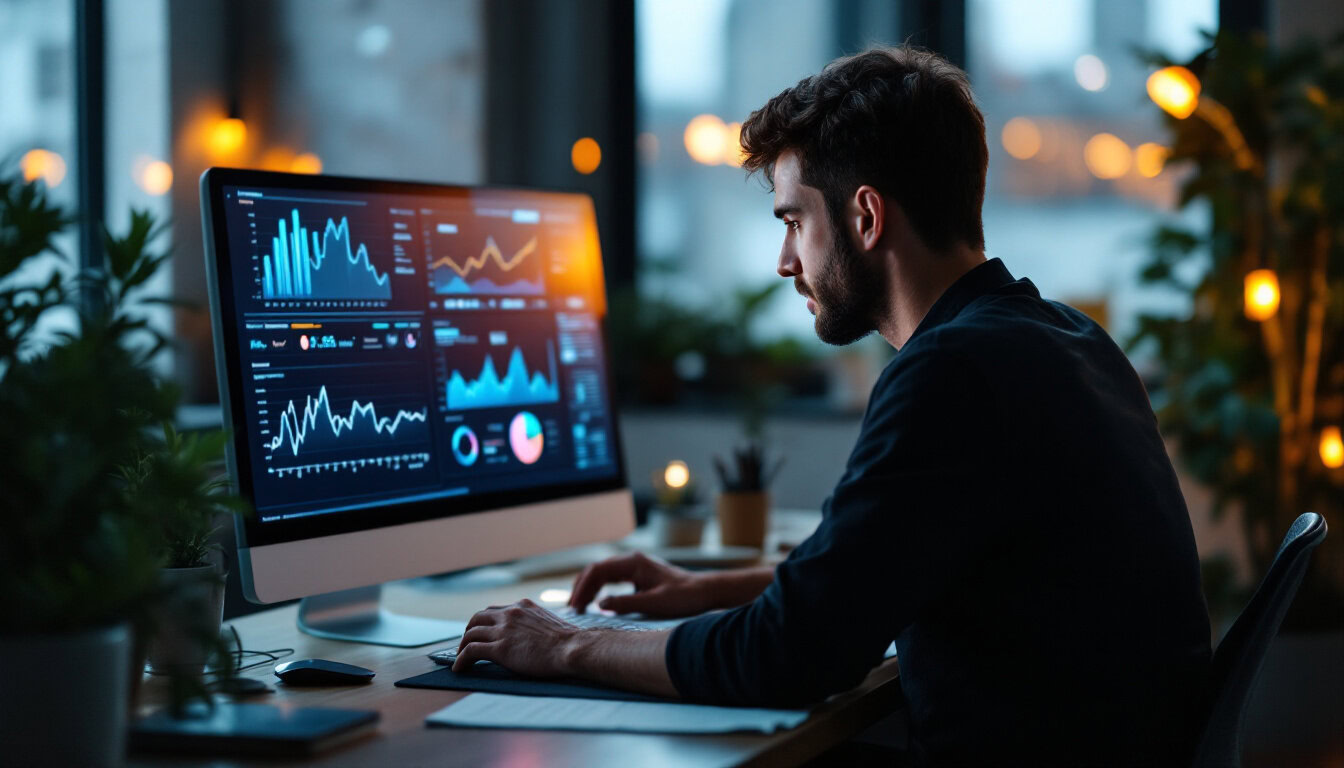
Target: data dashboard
401	347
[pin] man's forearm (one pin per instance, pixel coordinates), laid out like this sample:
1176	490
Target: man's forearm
631	660
729	589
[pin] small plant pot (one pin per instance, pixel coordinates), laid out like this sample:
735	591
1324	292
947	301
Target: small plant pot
65	697
677	526
743	517
189	620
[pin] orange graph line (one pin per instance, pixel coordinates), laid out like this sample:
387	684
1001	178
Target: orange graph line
491	251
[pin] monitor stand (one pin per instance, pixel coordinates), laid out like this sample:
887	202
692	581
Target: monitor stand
354	615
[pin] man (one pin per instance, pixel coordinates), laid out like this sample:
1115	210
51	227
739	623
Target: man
1009	516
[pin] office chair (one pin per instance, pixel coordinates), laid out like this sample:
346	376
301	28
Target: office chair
1240	655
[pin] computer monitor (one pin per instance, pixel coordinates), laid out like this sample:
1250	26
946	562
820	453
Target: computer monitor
415	379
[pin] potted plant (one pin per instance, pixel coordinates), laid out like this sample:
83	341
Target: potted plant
186	623
744	504
1250	386
80	558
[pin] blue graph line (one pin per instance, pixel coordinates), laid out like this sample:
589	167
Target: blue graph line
518	387
298	266
294	428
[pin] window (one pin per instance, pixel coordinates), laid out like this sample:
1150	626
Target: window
37	122
708	241
1075	158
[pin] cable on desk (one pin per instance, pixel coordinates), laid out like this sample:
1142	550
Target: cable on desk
239	654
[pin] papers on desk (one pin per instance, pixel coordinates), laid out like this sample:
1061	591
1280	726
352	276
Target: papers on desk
495	710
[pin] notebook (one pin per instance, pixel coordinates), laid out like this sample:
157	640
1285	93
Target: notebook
251	729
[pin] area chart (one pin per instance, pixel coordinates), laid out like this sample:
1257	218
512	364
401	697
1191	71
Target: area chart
517	387
303	265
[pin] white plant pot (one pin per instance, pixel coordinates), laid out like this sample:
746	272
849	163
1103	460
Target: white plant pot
65	698
188	621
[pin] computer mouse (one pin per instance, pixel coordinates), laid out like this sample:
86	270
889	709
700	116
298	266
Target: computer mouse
321	672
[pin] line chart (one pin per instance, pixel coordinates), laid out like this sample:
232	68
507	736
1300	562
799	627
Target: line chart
451	277
319	428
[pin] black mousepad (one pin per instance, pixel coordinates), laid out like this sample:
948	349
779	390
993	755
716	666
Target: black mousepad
492	678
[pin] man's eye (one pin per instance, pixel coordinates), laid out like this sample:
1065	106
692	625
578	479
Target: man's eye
793	225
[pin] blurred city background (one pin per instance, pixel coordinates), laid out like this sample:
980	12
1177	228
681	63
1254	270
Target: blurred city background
639	104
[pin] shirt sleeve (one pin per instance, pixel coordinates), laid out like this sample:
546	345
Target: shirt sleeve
899	526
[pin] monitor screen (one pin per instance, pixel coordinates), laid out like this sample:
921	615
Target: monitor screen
397	352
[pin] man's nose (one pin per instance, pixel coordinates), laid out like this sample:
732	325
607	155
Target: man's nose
789	265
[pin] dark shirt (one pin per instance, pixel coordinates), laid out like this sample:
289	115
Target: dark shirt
1010	518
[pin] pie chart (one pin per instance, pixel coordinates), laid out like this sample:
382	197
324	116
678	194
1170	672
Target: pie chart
466	448
525	437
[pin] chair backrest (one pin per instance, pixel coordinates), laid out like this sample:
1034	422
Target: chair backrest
1240	655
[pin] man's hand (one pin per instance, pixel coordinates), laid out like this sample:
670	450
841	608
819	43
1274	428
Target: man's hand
524	637
532	641
662	590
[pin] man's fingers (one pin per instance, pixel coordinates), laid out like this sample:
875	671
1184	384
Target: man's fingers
479	634
592	579
485	618
638	602
474	652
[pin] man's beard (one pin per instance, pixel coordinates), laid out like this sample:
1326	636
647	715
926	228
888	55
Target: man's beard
848	293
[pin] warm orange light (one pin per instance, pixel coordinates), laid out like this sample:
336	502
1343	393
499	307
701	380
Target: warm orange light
1107	156
156	177
585	155
228	136
1021	138
276	158
306	163
43	164
1262	294
732	145
677	474
1149	159
1332	448
704	139
1174	89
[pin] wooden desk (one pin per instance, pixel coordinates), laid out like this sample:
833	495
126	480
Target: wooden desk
403	739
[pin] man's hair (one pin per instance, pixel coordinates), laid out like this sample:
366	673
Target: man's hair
901	120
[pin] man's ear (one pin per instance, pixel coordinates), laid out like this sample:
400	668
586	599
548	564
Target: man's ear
869	217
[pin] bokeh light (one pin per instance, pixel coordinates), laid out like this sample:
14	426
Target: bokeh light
1262	294
704	139
1090	72
1174	89
732	145
1332	448
43	164
585	155
156	177
1021	138
1149	158
677	474
1107	156
277	158
228	136
554	595
306	163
